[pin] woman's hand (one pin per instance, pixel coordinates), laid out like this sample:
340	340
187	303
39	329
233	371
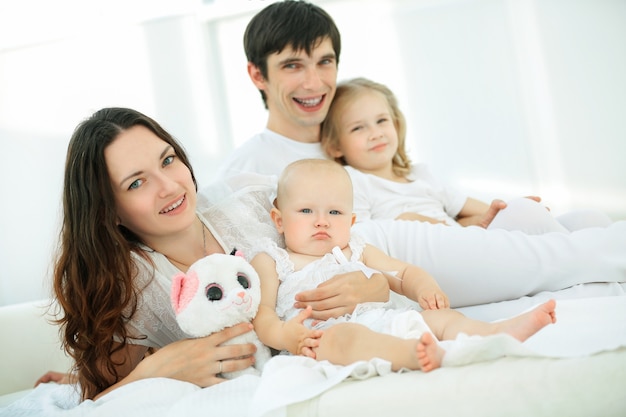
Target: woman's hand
340	294
202	360
58	377
199	361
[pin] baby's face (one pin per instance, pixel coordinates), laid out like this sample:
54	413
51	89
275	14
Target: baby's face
316	214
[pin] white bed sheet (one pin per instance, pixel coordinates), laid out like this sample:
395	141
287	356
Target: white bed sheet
574	367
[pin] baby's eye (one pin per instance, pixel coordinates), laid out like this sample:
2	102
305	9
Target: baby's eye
306	211
383	120
214	292
243	280
135	184
335	212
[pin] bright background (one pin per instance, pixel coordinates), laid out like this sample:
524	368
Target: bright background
503	97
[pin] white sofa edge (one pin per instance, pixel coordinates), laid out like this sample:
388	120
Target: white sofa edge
31	346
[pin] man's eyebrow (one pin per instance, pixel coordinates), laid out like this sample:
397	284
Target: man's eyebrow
289	60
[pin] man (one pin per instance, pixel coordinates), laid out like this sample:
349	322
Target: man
293	51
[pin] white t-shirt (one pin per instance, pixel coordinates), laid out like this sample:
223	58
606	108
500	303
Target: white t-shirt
267	153
379	198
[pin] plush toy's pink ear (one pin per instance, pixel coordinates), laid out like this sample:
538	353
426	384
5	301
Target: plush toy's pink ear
239	253
184	287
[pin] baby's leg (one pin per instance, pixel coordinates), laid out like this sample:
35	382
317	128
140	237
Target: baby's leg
447	324
346	343
525	325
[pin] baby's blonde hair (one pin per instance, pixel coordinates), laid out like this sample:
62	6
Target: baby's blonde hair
349	91
311	164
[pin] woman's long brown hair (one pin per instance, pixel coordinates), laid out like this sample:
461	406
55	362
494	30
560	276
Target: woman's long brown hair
94	272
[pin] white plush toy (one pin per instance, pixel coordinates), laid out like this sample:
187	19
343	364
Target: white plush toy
219	291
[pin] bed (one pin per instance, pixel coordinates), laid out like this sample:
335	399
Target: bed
576	367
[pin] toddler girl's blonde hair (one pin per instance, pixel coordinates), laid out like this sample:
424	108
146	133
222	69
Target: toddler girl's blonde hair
349	91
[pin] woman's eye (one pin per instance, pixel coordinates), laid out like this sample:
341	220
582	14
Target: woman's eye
354	129
214	292
168	160
135	184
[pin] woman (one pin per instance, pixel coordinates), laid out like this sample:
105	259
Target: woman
131	220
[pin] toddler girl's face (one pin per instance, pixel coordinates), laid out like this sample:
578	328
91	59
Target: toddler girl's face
368	139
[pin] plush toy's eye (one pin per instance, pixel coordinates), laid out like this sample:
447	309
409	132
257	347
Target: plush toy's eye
214	292
243	280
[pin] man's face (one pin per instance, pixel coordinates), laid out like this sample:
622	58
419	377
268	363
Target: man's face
299	88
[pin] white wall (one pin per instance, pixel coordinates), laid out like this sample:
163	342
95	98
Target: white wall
502	97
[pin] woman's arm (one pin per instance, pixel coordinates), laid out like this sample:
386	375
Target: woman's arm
190	360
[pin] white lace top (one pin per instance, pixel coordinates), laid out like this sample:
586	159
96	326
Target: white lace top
236	219
313	274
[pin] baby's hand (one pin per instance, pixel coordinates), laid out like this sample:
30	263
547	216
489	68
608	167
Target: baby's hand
307	346
433	299
304	340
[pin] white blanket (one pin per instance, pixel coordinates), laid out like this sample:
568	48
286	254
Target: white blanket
584	327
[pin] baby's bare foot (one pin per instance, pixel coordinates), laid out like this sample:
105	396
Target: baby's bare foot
527	324
429	353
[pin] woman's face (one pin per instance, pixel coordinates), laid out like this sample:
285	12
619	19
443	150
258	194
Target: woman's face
368	139
154	192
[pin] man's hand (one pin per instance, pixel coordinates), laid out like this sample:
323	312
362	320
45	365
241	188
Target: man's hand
340	294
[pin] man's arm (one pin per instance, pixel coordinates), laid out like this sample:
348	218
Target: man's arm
340	294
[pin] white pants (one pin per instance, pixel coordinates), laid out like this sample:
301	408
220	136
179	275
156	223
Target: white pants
533	218
476	266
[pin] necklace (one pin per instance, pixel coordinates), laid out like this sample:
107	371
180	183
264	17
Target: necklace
203	237
183	266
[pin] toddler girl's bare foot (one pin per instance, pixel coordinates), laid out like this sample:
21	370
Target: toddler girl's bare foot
527	324
429	353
